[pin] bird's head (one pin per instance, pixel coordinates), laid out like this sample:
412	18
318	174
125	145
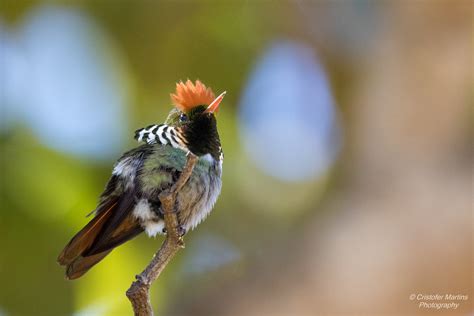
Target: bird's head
194	114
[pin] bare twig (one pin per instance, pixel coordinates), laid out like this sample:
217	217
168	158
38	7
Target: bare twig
139	291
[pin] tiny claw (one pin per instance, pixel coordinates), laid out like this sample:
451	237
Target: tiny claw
181	231
140	278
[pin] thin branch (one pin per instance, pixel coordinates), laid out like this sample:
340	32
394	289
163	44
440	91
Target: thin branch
139	291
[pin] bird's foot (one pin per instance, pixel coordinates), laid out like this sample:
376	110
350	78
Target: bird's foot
161	213
181	231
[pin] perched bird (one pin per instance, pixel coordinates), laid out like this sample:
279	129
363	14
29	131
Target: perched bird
130	205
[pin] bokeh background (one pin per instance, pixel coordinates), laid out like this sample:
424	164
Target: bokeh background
347	138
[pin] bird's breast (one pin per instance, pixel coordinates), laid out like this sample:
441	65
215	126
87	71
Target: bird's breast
194	201
197	198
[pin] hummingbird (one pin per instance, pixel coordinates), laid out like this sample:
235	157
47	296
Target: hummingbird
130	203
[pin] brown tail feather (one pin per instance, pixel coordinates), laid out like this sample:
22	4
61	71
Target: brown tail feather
84	239
103	245
107	230
81	265
114	236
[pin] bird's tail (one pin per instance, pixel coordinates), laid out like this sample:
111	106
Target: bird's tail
109	228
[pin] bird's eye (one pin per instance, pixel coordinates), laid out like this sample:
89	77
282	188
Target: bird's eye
183	117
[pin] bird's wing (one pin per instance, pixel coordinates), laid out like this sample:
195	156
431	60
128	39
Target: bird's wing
113	223
119	228
122	188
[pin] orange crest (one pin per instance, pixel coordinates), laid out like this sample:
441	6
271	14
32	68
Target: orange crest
189	95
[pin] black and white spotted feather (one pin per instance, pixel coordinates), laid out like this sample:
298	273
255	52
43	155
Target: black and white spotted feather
161	134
